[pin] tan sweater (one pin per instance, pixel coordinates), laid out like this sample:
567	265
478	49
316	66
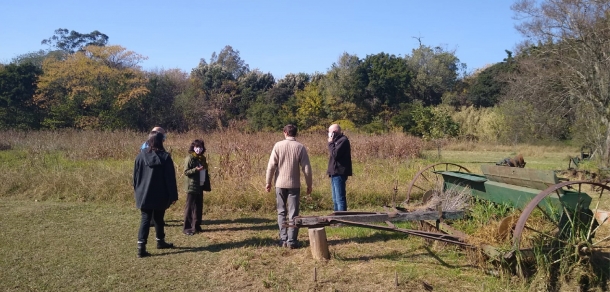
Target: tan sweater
286	158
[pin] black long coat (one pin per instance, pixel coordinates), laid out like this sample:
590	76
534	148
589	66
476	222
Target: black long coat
340	160
154	180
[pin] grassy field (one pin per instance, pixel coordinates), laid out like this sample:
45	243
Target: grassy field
68	221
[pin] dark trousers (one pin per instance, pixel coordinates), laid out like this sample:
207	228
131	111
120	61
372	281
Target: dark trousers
147	217
287	199
193	212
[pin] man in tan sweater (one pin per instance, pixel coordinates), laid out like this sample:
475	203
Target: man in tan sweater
286	158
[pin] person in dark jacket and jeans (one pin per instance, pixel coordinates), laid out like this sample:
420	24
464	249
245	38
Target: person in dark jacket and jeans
197	181
154	182
339	165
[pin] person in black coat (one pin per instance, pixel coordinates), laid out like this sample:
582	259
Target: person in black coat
339	165
155	188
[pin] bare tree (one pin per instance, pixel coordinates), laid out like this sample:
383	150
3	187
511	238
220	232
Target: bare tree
576	35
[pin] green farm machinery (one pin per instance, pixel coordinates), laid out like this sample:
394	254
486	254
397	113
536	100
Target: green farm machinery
550	213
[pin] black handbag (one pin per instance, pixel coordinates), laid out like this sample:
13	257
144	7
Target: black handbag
207	187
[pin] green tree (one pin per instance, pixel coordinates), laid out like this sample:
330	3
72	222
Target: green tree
250	85
342	86
17	88
435	71
310	111
387	79
72	41
229	60
158	106
491	83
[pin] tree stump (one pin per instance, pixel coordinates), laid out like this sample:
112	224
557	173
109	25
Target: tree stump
318	243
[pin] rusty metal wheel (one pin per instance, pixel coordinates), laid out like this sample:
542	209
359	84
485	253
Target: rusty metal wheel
566	217
427	179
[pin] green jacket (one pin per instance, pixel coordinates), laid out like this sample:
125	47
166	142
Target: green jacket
192	175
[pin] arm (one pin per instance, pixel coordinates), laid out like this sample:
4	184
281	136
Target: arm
190	169
135	174
306	168
337	148
170	178
271	167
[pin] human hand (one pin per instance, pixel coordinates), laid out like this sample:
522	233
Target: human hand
268	187
309	190
199	168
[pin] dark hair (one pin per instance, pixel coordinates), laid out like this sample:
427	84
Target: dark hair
291	130
155	143
197	143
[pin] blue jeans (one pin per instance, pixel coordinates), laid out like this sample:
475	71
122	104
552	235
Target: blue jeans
337	185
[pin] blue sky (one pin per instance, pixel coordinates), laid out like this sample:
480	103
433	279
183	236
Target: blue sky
274	36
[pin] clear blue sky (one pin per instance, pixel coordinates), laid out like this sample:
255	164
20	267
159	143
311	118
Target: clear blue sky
277	36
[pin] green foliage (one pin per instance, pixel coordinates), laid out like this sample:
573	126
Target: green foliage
17	87
490	84
435	71
481	124
427	122
386	79
311	107
158	106
376	126
72	41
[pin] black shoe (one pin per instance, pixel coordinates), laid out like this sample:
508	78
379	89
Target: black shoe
188	233
161	244
294	245
282	243
142	250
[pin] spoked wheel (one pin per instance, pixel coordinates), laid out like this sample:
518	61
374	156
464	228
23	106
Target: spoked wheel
428	180
566	222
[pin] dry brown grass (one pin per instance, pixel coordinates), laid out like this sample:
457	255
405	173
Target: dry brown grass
72	165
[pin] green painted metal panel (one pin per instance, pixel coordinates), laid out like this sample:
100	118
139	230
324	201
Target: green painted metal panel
513	195
464	176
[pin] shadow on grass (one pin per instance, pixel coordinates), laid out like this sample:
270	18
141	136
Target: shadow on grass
369	239
207	223
401	256
239	220
250	242
206	228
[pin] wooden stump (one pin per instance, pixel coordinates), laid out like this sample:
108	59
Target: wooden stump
318	243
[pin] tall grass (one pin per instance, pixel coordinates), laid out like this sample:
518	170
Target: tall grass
73	165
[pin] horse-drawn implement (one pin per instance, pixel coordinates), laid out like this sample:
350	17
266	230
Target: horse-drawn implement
551	214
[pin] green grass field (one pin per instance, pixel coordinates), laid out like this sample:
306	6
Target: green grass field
69	222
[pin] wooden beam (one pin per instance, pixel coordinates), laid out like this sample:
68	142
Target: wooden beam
305	221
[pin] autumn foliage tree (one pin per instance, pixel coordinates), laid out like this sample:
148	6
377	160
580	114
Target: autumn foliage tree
91	88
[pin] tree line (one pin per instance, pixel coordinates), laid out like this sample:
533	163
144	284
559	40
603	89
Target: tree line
554	86
81	82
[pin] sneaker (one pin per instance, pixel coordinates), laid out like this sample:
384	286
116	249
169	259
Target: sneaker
282	243
188	233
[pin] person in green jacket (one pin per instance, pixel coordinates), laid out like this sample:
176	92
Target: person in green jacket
197	180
